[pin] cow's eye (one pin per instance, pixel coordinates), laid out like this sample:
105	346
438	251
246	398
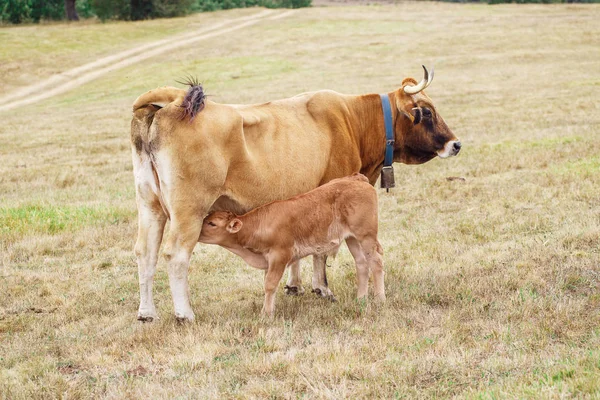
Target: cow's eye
211	223
427	112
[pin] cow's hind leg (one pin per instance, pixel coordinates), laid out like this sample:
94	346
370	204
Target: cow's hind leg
183	236
319	279
293	287
151	223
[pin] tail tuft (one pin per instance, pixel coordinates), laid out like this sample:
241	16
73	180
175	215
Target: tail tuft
194	100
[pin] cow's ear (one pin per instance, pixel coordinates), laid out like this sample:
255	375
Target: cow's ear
406	104
234	225
417	115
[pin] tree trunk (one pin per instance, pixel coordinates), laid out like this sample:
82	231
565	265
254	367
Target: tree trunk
71	11
141	9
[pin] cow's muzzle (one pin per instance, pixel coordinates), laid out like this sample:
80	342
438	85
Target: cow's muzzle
450	149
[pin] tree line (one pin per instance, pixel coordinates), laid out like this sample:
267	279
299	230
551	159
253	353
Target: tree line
27	11
522	1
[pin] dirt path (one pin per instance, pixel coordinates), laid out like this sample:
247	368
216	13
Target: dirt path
76	77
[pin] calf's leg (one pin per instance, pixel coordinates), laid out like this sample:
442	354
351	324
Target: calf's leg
368	254
277	263
319	279
293	287
374	255
362	266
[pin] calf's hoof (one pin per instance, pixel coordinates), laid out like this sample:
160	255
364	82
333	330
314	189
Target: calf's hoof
325	293
294	290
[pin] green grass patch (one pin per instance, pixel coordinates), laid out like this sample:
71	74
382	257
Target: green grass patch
587	167
51	219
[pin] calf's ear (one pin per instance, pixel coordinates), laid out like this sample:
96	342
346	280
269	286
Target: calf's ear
234	226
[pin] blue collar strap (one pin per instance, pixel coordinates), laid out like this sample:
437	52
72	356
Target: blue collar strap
389	130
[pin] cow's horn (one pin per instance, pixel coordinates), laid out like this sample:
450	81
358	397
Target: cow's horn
426	81
430	78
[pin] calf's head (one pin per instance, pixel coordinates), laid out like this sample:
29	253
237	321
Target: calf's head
219	227
421	133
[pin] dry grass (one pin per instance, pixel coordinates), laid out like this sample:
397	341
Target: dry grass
31	53
493	282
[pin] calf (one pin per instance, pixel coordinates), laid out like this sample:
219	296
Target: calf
315	223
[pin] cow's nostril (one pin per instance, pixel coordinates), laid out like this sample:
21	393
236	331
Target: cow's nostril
457	146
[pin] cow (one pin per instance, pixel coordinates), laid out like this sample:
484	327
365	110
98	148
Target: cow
192	156
272	236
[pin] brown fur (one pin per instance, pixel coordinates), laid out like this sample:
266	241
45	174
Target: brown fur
272	236
238	157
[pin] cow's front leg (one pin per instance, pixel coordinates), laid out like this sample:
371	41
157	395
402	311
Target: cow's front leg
319	279
183	236
293	287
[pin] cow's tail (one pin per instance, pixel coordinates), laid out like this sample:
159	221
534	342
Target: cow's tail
194	100
144	109
146	141
190	102
161	95
185	105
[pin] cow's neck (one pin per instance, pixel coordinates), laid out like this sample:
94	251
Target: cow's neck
366	117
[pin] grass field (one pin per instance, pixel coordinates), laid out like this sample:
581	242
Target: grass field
493	282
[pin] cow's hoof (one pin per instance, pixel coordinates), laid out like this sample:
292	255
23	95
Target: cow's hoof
183	318
325	293
146	316
294	290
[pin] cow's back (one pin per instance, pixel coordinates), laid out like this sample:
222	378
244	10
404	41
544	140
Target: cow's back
286	150
250	155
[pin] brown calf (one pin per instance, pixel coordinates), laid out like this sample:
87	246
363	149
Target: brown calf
315	223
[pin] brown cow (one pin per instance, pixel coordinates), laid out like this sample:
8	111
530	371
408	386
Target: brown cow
193	156
315	223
